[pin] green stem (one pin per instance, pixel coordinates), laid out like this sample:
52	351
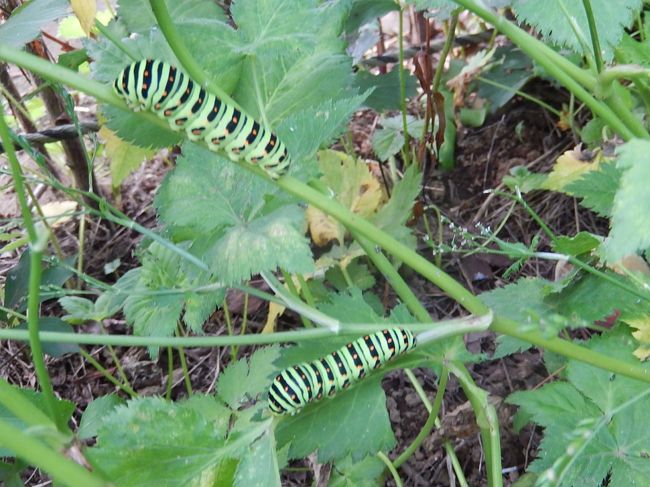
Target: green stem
288	281
616	115
107	375
522	94
366	229
569	349
391	468
487	421
106	32
186	374
19	182
170	374
55	464
183	54
446	48
443	329
37	242
392	276
430	423
593	32
402	81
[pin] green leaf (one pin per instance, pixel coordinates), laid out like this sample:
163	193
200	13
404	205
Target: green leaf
631	212
244	380
79	309
385	88
522	301
365	473
354	422
35	415
581	243
265	243
520	177
138	16
597	188
50	323
206	192
392	217
513	70
590	298
304	132
388	140
611	19
17	283
617	446
259	465
220	207
366	11
152	442
153	310
26	22
94	414
124	157
10	473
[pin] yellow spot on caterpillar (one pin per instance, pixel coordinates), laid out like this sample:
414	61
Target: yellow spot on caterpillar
234	120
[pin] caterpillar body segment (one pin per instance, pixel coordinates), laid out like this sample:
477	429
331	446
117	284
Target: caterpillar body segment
307	382
171	94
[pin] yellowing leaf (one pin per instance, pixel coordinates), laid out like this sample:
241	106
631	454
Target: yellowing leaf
567	169
85	11
322	227
354	186
632	263
125	158
70	28
642	335
275	311
58	212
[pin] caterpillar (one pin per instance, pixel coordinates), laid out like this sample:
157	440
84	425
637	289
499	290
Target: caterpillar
170	93
301	384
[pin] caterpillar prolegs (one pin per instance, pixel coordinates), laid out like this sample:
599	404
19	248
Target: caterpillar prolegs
171	94
296	386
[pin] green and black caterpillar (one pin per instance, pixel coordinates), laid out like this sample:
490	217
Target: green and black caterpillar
170	93
312	381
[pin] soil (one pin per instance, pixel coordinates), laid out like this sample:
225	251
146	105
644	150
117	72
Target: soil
484	156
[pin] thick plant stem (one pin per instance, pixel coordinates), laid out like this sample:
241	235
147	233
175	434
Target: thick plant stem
183	54
575	79
105	94
37	243
61	469
442	329
392	276
571	350
487	421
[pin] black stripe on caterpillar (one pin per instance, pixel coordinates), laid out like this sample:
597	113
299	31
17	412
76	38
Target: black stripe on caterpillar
301	384
170	93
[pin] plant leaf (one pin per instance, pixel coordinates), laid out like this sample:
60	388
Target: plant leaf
245	379
151	439
631	212
354	422
26	22
124	157
597	188
611	20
